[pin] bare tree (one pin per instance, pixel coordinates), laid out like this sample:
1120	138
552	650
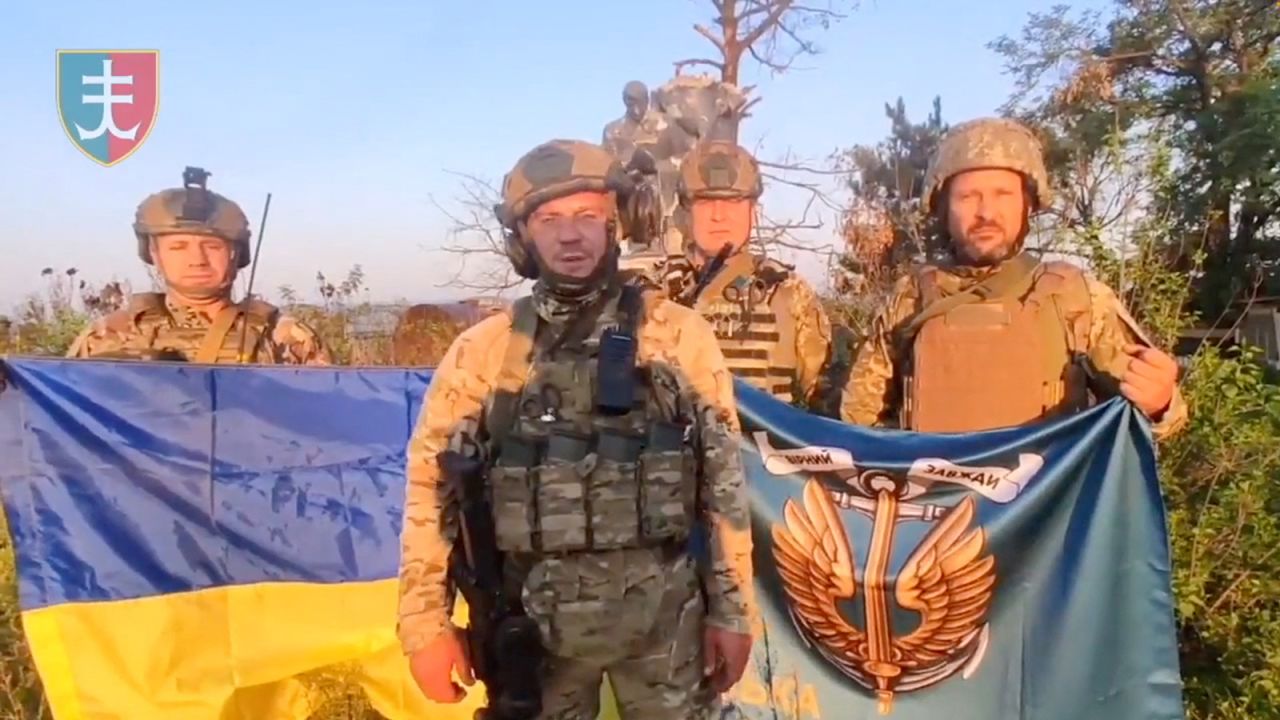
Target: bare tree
475	237
771	32
774	34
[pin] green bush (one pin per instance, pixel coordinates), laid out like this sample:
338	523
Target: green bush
1222	486
20	693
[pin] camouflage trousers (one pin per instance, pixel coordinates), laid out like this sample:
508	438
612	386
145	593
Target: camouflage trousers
631	614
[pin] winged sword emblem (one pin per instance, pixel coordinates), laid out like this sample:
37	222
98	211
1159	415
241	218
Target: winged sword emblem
949	580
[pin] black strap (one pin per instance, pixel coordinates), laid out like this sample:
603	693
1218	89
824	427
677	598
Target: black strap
514	372
629	308
520	348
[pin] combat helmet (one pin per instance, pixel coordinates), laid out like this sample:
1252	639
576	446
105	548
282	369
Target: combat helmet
192	209
552	170
988	143
719	169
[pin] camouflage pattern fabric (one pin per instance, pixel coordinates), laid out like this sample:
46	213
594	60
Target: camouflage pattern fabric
793	303
612	611
173	328
872	395
988	143
656	671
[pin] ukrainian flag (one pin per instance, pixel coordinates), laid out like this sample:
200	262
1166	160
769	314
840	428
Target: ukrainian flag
192	543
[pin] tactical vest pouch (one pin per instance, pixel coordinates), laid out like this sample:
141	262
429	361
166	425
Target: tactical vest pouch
614	487
560	494
666	472
511	496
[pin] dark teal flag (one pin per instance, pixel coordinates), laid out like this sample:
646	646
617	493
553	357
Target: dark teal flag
1016	574
1019	573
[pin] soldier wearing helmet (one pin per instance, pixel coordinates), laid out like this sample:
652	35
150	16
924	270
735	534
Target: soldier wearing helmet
994	337
197	240
602	427
774	333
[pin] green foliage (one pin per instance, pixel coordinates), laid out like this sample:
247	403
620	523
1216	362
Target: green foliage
340	307
1206	71
1221	488
48	324
335	694
21	697
1120	185
884	229
1219	474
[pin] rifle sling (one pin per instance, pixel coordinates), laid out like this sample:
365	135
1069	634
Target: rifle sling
217	335
514	371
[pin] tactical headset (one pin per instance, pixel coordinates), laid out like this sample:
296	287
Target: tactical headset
513	242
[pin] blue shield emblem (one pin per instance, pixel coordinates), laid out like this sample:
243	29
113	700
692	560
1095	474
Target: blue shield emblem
107	100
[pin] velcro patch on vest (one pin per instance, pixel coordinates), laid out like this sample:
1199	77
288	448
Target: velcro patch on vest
719	172
979	315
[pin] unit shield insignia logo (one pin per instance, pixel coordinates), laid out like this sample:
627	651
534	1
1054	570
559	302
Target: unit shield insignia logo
107	100
947	581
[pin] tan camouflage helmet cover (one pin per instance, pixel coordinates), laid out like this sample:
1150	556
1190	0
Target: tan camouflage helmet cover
988	143
719	169
555	169
192	209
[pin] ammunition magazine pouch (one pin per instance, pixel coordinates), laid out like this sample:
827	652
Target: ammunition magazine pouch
565	493
616	481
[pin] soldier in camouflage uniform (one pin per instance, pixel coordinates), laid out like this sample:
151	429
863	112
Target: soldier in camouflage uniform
198	240
994	337
773	331
596	475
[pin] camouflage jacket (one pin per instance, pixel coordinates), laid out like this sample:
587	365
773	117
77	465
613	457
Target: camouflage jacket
453	412
872	395
156	324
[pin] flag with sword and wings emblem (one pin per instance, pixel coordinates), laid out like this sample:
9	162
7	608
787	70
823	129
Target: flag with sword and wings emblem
1012	574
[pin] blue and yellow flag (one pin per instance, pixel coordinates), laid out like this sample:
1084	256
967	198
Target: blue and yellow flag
193	539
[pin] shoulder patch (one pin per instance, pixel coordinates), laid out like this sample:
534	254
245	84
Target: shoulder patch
260	309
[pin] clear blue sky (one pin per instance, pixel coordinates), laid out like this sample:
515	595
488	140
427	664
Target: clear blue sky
353	118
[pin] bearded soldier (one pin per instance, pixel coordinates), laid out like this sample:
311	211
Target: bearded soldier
601	426
197	240
994	337
774	333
